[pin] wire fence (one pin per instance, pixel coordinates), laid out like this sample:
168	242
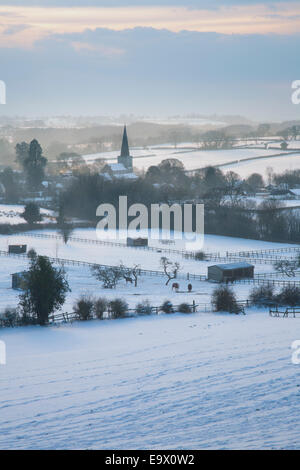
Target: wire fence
213	257
258	279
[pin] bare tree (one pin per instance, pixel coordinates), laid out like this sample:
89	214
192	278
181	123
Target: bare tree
286	267
170	269
130	274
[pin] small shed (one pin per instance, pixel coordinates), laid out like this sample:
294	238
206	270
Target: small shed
17	249
230	272
137	241
18	280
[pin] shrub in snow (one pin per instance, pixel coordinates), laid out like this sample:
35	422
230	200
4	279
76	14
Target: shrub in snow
83	308
100	307
10	317
118	308
184	308
262	295
167	307
200	255
289	296
108	276
143	308
224	300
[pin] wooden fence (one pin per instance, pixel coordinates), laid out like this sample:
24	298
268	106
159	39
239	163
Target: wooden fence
293	312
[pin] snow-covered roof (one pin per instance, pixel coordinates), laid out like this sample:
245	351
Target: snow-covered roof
229	266
130	176
118	170
117	167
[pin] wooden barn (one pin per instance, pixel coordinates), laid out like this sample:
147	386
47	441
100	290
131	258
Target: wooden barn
230	272
137	241
17	249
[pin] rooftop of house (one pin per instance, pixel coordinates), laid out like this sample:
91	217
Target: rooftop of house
230	266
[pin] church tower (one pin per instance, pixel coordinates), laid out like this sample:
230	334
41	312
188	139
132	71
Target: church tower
125	158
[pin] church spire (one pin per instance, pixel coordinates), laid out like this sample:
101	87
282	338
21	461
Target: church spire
125	146
125	158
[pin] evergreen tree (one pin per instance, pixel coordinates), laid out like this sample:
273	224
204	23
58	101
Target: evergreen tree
33	162
32	213
45	289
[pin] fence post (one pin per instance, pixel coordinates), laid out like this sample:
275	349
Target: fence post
194	306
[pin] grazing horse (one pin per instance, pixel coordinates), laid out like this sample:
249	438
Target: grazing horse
190	287
128	279
175	286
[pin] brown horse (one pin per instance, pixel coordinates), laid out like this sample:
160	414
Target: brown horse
190	287
175	286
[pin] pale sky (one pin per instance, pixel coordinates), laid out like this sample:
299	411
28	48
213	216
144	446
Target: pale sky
102	40
23	25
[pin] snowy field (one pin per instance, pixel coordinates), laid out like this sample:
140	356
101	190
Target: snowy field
200	381
262	165
195	381
11	214
191	159
114	255
151	288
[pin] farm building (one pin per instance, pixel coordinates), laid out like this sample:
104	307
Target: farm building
18	280
17	249
137	241
230	272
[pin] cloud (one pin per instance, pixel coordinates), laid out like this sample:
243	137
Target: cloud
207	4
230	17
98	49
14	29
150	71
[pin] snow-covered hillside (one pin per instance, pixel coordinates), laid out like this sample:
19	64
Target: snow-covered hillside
199	381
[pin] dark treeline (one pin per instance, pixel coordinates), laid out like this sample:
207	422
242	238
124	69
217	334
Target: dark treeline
227	211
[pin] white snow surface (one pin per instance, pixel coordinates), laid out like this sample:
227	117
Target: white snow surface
195	381
199	381
191	159
11	214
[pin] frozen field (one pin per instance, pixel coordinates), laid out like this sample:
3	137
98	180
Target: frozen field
152	288
278	164
201	381
11	214
113	255
196	381
191	159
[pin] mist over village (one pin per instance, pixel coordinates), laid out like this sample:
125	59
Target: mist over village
149	227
